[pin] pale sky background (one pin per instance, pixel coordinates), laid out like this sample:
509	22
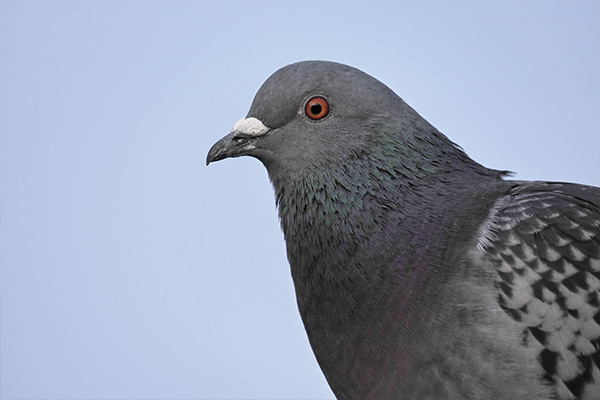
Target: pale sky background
130	270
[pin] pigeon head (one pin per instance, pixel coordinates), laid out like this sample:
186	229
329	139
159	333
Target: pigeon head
313	114
317	115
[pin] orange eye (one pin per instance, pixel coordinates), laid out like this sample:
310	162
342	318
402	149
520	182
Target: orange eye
317	108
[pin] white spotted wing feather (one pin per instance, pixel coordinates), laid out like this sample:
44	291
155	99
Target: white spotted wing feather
544	241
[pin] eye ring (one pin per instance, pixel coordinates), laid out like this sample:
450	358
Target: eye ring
317	108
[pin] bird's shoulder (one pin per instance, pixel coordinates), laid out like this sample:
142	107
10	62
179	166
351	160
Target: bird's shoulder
543	240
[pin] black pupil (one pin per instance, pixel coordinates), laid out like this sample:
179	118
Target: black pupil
316	109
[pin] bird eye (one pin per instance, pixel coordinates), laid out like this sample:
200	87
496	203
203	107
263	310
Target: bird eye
317	108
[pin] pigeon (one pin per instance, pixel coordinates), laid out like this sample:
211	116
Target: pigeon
419	273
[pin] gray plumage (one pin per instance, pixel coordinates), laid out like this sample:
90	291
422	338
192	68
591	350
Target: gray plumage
419	273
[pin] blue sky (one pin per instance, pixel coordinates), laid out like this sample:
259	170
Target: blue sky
129	270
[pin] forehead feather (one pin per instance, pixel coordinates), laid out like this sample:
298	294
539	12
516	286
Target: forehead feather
282	94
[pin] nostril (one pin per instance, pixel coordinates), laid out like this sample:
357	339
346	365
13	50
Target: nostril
237	136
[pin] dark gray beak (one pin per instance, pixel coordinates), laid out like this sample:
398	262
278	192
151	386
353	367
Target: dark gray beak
240	141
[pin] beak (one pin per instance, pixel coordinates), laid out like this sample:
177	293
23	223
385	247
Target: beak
240	141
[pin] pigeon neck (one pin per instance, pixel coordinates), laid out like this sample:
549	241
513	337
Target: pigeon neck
369	260
346	232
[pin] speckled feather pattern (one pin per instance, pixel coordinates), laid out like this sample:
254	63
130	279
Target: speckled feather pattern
545	247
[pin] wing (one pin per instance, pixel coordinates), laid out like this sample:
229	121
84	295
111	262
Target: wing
544	241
